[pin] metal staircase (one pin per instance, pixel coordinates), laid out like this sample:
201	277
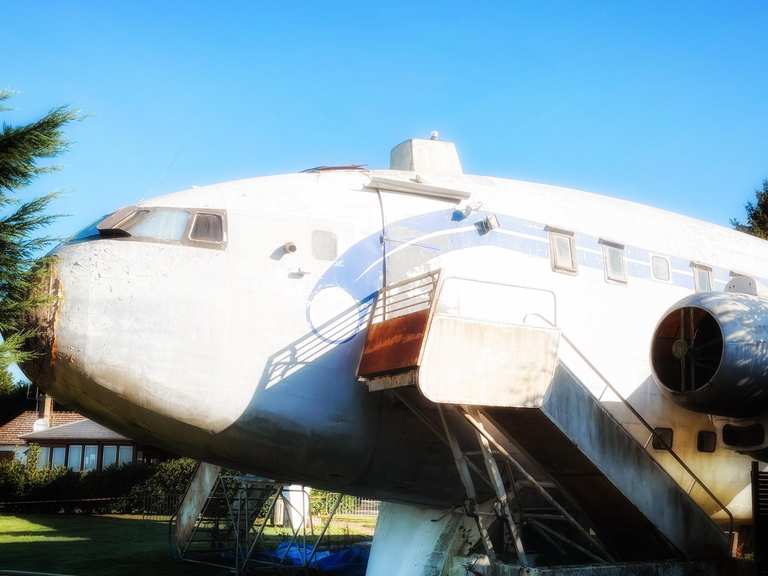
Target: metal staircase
568	483
220	521
222	518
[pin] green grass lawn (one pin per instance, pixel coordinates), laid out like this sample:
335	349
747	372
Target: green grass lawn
83	545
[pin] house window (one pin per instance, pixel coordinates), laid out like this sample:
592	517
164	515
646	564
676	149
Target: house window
706	441
207	228
615	264
43	457
324	245
563	248
125	455
108	457
58	456
90	458
662	438
702	278
660	268
75	457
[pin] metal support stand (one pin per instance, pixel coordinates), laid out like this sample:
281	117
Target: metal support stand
509	506
603	555
469	486
502	499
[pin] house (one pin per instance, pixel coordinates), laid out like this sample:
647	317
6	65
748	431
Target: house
67	438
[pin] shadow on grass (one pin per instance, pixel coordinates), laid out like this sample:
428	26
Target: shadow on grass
90	545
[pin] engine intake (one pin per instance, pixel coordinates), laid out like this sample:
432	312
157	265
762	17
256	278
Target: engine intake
710	353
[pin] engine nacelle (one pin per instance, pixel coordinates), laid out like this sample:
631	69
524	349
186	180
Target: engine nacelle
710	352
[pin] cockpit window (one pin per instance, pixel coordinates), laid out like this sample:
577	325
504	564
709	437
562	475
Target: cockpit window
167	224
207	228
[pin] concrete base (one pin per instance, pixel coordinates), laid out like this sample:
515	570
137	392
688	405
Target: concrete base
480	566
418	541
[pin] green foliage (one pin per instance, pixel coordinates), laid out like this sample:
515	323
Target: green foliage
757	214
22	148
7	385
129	488
322	502
20	480
169	477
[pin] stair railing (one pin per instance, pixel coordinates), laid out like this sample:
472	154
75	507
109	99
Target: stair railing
405	297
423	292
644	422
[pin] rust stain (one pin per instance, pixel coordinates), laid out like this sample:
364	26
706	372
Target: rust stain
41	323
394	345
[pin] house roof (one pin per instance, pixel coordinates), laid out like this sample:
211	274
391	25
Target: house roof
81	430
13	431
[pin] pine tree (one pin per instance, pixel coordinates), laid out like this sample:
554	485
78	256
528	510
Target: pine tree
22	147
757	214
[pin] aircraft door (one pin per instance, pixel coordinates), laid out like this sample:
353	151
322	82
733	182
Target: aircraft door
412	233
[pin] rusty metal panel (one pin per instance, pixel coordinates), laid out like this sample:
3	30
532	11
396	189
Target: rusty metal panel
394	345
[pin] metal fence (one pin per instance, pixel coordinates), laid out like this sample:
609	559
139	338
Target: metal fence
321	504
150	506
162	506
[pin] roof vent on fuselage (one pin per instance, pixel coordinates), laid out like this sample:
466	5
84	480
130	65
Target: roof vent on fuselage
428	157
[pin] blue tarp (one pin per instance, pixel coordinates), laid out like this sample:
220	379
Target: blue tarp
350	561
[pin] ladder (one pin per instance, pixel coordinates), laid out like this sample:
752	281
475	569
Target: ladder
760	518
223	516
225	522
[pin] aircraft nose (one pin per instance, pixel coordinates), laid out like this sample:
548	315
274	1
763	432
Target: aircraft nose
39	325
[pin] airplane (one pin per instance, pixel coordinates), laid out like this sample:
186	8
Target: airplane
227	323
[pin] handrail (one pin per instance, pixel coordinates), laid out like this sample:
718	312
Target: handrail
505	285
644	422
405	296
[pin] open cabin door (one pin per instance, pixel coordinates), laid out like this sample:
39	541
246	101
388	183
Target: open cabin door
417	222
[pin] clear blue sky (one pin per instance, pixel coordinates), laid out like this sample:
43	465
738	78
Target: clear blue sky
664	103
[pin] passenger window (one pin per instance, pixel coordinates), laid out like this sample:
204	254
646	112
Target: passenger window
706	441
207	228
563	250
660	268
662	438
324	245
702	278
615	265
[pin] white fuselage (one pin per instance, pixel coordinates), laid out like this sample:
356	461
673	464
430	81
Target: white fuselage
247	354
